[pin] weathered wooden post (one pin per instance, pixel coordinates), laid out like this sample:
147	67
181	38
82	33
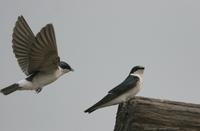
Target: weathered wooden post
147	114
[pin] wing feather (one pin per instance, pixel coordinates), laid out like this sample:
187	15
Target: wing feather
45	51
23	38
34	53
128	84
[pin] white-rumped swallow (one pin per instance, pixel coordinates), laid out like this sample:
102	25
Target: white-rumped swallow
123	92
37	56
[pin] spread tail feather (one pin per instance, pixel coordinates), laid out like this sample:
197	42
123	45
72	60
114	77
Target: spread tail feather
10	89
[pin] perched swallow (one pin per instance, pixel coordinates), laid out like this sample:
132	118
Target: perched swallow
37	56
123	92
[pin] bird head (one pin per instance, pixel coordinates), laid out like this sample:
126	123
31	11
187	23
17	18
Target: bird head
65	67
137	70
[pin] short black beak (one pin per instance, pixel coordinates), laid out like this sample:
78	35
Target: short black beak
72	69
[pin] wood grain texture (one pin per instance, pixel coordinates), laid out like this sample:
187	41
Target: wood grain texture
147	114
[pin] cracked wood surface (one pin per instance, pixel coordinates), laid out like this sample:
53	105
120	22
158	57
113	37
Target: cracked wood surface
147	114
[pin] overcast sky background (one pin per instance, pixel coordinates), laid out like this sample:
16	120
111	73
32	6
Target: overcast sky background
102	40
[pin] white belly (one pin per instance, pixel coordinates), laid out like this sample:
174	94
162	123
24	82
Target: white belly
39	81
43	80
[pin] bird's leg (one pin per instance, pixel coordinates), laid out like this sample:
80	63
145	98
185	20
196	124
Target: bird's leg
38	90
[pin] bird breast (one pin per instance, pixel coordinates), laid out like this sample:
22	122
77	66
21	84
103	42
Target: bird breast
43	79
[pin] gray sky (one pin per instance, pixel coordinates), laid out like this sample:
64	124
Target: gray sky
102	40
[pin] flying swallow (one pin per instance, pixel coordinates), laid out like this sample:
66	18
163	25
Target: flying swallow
37	56
123	92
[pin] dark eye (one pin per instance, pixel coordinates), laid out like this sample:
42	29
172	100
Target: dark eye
67	66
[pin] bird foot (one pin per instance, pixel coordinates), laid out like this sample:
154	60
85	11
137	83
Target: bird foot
38	90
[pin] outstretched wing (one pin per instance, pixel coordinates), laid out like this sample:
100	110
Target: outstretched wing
44	53
34	53
23	40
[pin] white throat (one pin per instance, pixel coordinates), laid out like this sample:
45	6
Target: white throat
60	72
139	73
